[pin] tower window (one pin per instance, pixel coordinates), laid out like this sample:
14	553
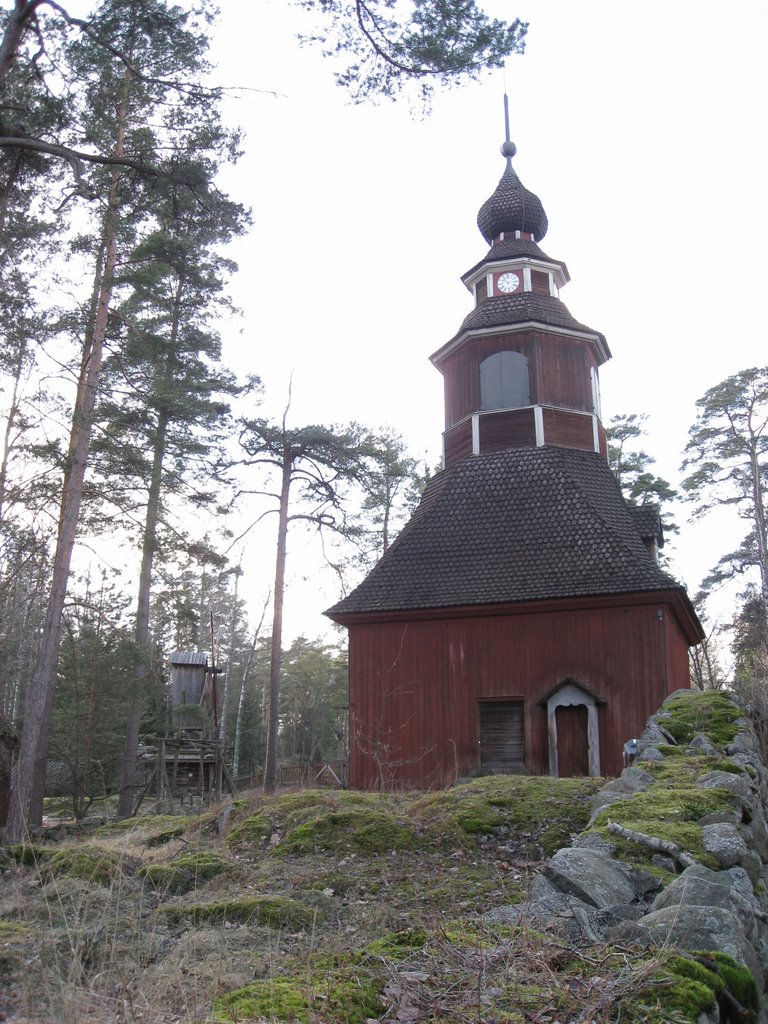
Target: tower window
504	381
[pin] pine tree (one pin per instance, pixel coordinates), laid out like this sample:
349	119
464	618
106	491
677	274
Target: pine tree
312	470
130	69
727	464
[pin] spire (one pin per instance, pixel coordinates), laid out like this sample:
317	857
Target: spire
508	148
512	207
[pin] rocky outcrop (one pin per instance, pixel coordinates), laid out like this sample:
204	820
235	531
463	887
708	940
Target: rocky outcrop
676	854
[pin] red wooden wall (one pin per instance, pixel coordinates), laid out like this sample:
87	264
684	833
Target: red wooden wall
558	367
415	683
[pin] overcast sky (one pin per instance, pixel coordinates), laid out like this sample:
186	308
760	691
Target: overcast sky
641	128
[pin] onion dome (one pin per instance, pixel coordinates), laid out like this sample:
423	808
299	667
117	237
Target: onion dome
512	208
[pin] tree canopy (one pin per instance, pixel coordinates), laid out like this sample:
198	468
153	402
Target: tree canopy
727	465
384	47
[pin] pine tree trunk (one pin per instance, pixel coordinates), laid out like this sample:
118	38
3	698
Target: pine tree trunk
10	422
141	639
273	723
761	530
143	600
27	799
141	634
15	28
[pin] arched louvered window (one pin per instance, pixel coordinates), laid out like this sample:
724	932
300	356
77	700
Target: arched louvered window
504	381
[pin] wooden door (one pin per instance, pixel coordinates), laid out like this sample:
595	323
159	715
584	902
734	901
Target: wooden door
572	740
502	737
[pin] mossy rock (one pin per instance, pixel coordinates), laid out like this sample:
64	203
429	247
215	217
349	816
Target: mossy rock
185	873
737	978
283	813
691	985
701	711
337	997
666	812
513	802
357	830
679	762
90	864
275	912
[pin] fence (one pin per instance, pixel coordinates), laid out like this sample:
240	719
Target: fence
326	773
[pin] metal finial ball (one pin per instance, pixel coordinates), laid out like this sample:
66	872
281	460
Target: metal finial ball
508	149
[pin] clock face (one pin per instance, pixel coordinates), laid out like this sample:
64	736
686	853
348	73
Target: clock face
508	282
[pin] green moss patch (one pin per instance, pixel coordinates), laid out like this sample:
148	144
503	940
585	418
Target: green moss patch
354	829
338	997
396	946
478	935
268	911
680	763
737	978
89	864
701	711
695	984
24	854
284	813
555	808
186	872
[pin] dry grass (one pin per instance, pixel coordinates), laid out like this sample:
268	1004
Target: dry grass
79	947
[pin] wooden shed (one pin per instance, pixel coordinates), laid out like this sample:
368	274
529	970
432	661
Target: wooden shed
521	621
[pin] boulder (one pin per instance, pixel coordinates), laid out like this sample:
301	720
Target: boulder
699	927
632	780
725	843
592	877
738	784
650	754
702	744
741	742
701	886
596	842
548	909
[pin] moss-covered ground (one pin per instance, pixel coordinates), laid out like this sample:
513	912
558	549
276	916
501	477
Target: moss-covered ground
323	907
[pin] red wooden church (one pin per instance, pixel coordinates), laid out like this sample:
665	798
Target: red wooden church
520	622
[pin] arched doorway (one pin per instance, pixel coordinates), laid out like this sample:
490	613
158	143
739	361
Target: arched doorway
572	725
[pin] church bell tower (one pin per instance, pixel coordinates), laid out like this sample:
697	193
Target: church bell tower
521	371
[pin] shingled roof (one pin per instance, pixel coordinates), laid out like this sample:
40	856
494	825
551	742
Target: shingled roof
524	307
648	521
521	525
512	207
